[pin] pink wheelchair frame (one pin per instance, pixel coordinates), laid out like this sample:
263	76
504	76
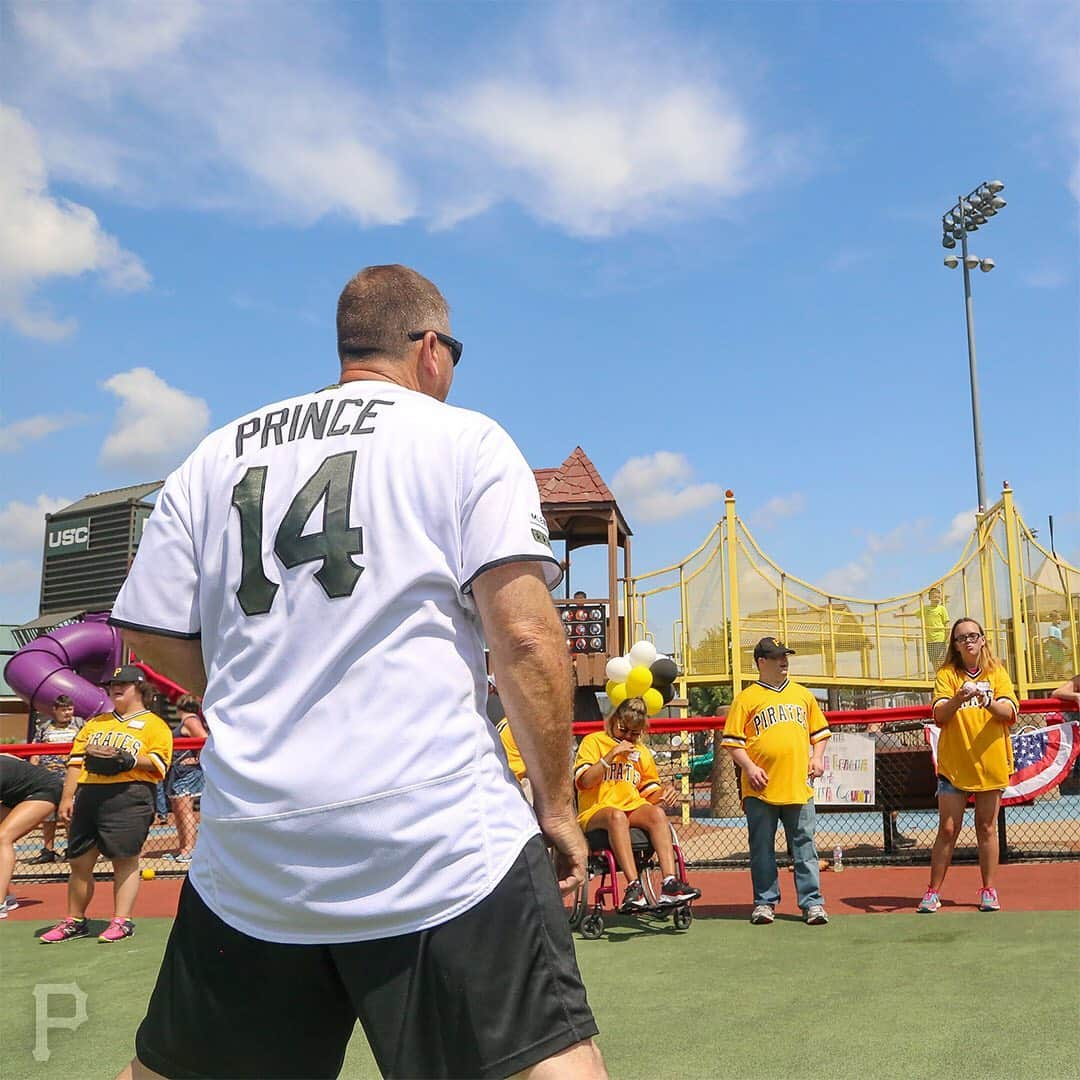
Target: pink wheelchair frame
589	920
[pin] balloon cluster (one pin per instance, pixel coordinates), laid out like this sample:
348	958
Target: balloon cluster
642	673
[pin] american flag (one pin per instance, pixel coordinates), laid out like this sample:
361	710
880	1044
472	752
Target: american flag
1041	759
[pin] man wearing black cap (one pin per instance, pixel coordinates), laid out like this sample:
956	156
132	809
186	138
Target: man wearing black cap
108	802
775	732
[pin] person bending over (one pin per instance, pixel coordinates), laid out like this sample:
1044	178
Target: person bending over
619	789
28	795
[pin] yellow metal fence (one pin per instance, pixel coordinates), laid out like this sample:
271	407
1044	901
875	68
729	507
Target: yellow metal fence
729	593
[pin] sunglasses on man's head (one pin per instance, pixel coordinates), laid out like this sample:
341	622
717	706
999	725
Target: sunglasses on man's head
452	344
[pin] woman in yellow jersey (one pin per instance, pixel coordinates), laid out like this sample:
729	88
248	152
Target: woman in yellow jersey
108	802
619	788
974	705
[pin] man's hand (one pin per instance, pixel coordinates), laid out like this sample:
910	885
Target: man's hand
817	768
65	809
571	852
757	776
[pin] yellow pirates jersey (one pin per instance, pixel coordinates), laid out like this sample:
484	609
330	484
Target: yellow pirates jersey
631	782
775	725
513	754
975	751
141	733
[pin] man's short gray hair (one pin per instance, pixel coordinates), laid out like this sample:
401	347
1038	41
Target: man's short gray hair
380	307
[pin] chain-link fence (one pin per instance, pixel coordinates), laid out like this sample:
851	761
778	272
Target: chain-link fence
897	827
174	829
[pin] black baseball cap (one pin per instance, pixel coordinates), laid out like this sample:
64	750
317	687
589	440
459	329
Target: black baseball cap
127	673
769	648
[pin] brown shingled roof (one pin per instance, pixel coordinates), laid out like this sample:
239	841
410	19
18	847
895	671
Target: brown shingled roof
574	481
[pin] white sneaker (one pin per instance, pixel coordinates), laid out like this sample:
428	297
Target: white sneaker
762	914
815	915
10	904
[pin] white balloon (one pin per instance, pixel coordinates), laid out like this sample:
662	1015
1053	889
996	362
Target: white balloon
618	667
643	653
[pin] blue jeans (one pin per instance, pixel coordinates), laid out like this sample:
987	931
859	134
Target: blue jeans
799	821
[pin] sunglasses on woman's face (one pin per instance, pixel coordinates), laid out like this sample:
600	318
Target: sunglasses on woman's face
964	639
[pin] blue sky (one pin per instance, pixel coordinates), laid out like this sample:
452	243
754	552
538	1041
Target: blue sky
701	241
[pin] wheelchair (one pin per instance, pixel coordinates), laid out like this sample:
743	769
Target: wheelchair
589	919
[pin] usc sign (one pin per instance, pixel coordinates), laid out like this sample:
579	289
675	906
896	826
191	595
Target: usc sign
67	537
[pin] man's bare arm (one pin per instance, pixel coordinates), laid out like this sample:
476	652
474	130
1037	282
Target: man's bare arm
1069	690
180	659
532	667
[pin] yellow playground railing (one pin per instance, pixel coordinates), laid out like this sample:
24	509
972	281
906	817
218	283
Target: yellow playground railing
728	593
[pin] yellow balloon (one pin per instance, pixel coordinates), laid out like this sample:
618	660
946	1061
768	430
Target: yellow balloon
609	686
638	681
617	694
654	701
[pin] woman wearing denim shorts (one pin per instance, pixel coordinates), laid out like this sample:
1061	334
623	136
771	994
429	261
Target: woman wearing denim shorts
186	779
974	706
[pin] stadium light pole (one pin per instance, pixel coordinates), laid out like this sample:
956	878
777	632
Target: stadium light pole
970	212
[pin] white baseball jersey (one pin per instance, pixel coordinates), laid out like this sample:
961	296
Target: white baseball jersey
323	549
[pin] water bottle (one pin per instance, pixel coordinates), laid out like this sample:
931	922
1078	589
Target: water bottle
838	859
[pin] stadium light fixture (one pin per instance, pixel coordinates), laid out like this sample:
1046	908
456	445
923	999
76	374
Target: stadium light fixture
957	223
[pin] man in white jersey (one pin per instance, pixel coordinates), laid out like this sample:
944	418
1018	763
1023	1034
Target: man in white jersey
325	571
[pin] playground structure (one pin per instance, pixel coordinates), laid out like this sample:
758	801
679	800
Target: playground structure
728	593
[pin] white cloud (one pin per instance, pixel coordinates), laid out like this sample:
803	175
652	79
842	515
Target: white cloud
776	509
1036	52
156	424
850	579
960	528
1045	277
19	576
655	487
906	535
215	106
845	580
22	525
596	157
15	436
43	237
595	120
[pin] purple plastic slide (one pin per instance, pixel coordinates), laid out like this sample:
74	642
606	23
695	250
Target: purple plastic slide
70	660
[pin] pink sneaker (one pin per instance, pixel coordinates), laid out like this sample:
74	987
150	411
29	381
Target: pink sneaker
117	930
929	903
65	930
988	900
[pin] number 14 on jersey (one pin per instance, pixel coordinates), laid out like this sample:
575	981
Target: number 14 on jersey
333	545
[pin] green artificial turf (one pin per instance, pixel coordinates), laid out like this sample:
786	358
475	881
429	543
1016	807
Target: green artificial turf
873	997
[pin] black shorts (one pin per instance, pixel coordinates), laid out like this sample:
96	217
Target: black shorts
114	818
488	993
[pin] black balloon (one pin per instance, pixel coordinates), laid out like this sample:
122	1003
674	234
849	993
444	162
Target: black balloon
667	692
663	671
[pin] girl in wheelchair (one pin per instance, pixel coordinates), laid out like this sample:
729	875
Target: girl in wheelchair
619	789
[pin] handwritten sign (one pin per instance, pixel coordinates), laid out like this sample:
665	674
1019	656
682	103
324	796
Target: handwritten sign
848	779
